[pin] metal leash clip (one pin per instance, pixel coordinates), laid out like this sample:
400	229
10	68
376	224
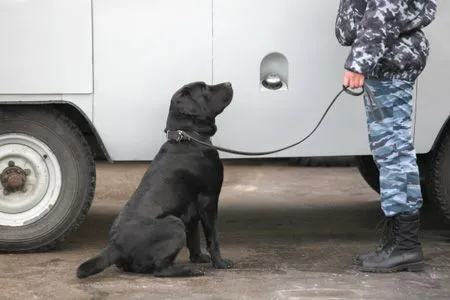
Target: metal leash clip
176	135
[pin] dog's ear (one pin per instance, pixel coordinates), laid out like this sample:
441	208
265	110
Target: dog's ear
183	102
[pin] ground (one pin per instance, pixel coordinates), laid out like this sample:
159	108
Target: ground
292	232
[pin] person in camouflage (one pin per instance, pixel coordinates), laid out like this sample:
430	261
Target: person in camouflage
388	53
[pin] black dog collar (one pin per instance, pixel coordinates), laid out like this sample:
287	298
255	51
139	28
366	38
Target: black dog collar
179	136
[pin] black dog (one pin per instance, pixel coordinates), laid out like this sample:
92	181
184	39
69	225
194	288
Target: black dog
180	189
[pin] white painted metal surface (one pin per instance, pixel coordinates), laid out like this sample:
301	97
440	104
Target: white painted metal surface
45	46
433	101
143	51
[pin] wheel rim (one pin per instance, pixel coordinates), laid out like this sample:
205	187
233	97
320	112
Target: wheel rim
30	179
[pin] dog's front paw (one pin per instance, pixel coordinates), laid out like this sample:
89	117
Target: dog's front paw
223	264
200	259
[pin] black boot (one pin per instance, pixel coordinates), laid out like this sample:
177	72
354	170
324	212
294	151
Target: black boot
387	234
403	252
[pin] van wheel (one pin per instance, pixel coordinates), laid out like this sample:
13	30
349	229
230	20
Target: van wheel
369	172
438	179
47	176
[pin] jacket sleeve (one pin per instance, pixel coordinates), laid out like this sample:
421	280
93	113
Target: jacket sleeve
349	14
377	30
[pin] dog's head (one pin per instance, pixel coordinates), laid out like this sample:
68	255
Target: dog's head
196	105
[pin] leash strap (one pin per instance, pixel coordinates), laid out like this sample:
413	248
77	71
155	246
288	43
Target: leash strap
375	108
183	135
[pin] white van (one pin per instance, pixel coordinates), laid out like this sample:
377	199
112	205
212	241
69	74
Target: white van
88	79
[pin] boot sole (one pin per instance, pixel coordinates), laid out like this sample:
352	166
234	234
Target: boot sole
413	267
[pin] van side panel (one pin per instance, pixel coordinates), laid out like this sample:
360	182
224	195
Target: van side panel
143	52
260	120
46	47
433	100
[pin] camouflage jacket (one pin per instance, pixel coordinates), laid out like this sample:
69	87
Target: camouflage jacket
385	36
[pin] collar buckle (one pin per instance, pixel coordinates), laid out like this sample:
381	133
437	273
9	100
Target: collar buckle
175	135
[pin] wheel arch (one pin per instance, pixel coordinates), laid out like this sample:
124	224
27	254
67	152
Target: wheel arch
438	137
76	115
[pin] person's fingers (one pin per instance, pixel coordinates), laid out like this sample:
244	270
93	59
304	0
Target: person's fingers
357	80
353	82
361	81
346	81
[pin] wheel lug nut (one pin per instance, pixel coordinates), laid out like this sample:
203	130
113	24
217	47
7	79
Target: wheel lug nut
11	163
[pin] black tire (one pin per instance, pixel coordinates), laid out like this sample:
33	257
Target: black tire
438	178
369	172
327	161
78	177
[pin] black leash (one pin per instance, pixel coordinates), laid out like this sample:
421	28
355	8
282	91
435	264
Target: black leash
182	135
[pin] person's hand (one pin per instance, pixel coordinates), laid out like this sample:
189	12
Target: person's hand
353	80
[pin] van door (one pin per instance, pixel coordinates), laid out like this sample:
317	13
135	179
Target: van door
296	41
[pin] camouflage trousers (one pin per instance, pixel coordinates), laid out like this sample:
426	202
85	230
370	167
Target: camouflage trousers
389	122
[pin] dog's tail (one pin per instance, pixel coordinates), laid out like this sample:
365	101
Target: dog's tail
95	265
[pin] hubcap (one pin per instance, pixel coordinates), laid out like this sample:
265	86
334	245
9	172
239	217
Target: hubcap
13	178
30	178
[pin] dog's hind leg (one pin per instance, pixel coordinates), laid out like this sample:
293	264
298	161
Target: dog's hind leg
193	244
168	238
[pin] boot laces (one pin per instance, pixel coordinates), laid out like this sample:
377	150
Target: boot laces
386	229
404	237
400	239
